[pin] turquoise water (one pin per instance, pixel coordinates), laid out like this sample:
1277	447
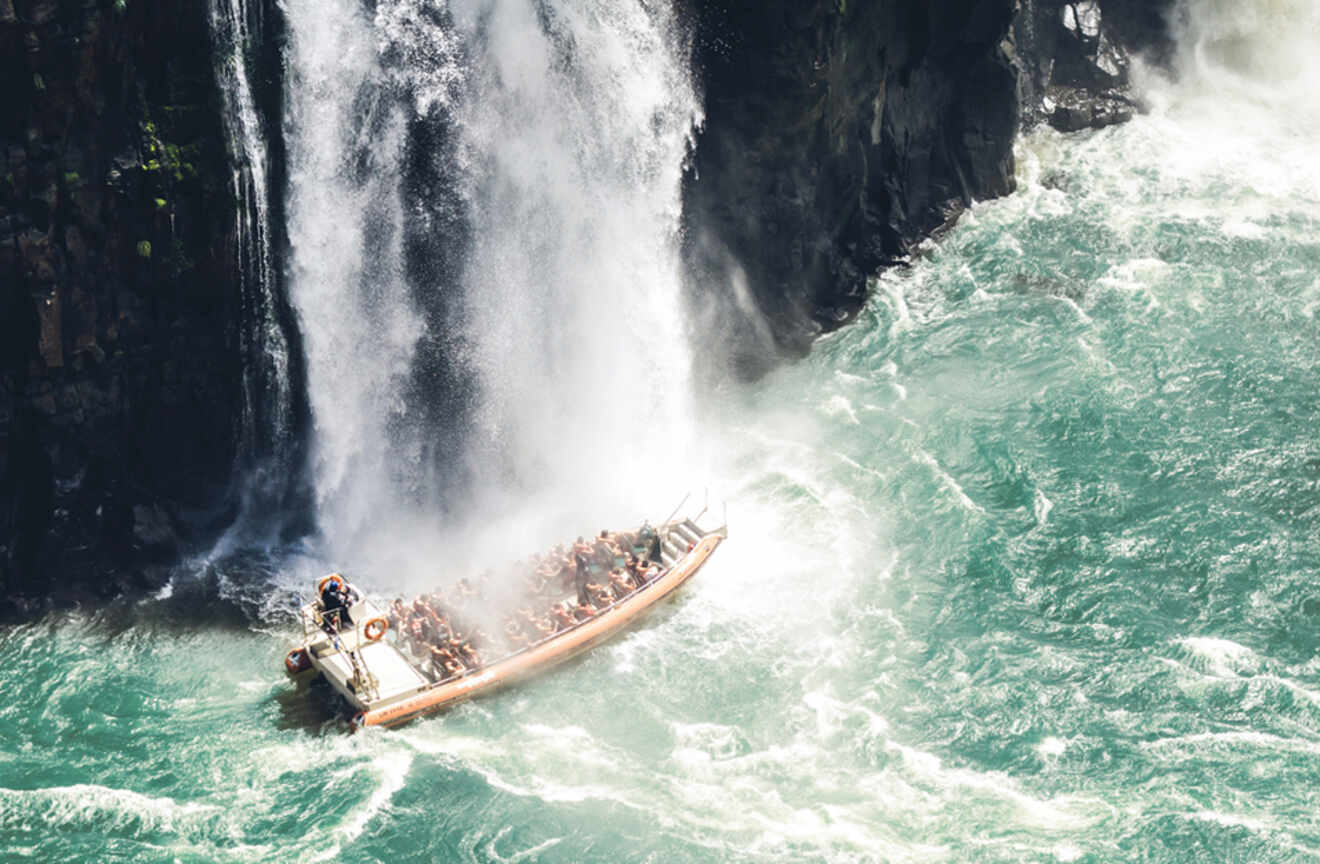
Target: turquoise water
1023	568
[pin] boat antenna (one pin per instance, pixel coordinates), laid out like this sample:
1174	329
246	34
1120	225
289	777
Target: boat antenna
676	509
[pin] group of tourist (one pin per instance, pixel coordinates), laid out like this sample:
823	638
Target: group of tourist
440	631
438	634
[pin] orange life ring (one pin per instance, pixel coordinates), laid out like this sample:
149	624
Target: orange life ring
375	628
297	661
335	577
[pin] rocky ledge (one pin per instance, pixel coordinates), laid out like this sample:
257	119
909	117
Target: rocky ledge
1075	58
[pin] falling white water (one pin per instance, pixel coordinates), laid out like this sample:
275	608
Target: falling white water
345	142
1264	50
571	122
266	427
574	130
1244	103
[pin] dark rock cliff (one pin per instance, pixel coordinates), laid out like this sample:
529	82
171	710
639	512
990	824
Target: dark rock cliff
1075	57
838	133
118	366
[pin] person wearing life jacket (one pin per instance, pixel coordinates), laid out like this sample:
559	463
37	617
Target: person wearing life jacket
397	615
603	550
470	656
519	640
635	569
417	636
334	602
619	583
563	617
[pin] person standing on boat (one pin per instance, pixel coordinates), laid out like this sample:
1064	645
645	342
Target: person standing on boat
334	602
580	576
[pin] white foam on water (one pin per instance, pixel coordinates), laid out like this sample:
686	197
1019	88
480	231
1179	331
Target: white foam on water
1233	820
713	741
96	809
1067	852
902	316
390	770
946	479
1312	298
839	406
1059	813
521	855
1052	747
557	764
1041	507
1224	658
1259	740
88	804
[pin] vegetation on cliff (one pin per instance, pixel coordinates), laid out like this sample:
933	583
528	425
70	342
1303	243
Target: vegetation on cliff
118	371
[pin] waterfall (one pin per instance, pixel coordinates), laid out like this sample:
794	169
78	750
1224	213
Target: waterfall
1265	46
1245	104
345	137
266	427
574	129
484	202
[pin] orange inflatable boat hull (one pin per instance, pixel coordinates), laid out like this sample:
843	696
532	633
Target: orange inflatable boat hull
550	653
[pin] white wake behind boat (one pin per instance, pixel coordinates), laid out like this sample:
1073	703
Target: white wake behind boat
367	662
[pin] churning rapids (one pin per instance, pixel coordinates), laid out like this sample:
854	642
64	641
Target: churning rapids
1024	565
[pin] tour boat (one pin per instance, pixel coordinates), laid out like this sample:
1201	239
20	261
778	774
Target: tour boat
368	663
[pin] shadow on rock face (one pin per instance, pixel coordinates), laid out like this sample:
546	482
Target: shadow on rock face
836	135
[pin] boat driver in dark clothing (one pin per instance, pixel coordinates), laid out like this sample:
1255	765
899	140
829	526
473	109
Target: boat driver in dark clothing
334	603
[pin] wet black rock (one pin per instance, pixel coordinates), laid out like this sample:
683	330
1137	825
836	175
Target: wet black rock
118	358
1077	56
838	134
1071	109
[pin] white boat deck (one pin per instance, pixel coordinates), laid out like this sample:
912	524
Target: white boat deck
395	676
